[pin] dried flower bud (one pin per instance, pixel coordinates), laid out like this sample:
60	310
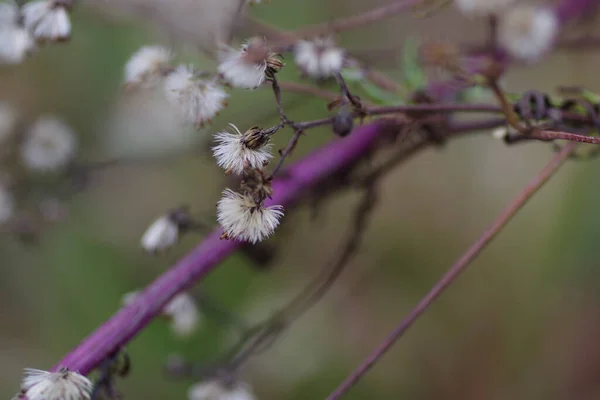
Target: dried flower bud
256	184
342	123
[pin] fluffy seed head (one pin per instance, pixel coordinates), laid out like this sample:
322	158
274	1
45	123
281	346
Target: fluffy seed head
61	385
319	58
216	390
527	32
248	67
49	145
242	218
199	100
482	7
47	19
183	313
16	43
147	65
235	150
161	235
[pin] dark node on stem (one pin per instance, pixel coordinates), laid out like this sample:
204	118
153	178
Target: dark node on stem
261	255
182	218
342	123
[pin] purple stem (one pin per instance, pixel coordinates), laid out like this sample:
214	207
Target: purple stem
567	10
130	320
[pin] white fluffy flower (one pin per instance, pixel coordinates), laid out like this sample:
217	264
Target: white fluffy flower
482	7
247	67
8	121
527	32
183	313
9	12
49	144
47	19
243	219
147	65
319	58
61	385
215	390
7	204
236	150
162	234
16	43
199	100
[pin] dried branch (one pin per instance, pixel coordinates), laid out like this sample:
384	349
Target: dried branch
509	212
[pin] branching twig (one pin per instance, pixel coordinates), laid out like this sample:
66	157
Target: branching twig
508	213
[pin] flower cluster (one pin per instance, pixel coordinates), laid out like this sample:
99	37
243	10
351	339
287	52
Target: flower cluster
525	31
319	58
36	21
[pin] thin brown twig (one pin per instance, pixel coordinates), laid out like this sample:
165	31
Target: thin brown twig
509	212
308	89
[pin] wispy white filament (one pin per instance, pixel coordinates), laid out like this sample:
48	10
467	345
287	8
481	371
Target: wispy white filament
232	154
61	385
241	218
199	100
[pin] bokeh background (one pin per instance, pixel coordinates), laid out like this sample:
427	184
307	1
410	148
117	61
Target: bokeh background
523	323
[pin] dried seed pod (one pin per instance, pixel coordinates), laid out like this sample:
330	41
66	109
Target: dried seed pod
342	123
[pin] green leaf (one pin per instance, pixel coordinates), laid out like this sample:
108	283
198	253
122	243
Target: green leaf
414	76
357	82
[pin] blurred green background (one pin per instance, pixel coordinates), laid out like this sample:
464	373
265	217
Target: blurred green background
524	322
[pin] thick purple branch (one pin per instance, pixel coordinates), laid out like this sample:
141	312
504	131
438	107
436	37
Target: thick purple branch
130	320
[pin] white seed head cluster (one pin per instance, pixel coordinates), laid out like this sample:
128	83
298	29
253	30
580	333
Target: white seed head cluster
146	66
183	313
482	7
49	145
16	42
48	20
61	385
242	218
161	235
527	32
199	100
318	58
215	390
236	150
245	68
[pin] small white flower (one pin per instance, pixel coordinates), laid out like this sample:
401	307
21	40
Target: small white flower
482	7
8	121
234	151
247	68
183	313
16	43
199	100
47	19
162	234
527	32
61	385
7	204
215	390
49	145
147	65
243	219
319	58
